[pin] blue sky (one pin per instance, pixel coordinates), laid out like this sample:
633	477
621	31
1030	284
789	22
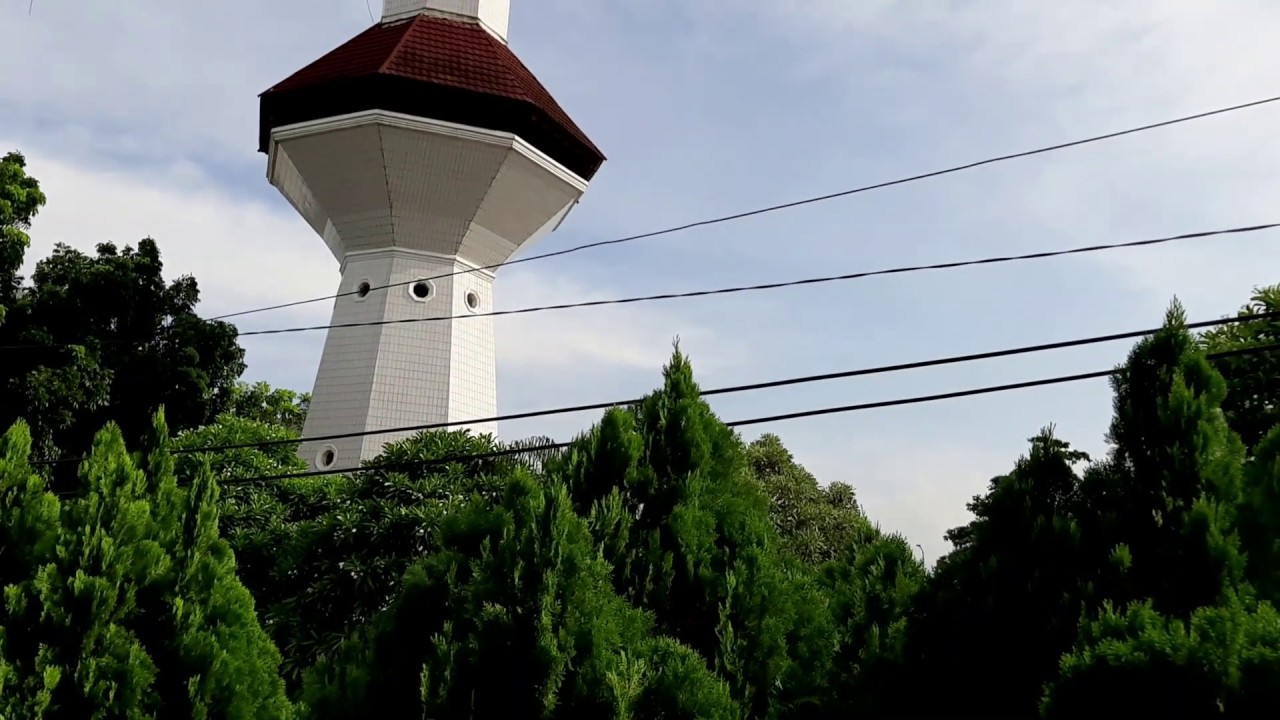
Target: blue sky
140	118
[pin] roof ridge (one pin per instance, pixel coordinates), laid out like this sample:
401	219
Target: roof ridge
339	48
404	35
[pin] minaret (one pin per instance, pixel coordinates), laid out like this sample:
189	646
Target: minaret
419	148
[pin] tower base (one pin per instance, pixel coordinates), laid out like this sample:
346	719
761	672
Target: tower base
428	370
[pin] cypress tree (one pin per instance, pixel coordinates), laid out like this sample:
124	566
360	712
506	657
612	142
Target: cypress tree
687	530
122	601
514	616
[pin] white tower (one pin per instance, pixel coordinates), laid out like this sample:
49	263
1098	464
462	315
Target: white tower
419	149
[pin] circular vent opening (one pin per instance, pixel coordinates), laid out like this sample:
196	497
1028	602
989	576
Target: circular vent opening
326	458
420	290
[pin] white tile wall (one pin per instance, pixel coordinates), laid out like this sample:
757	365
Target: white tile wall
496	14
399	203
437	186
473	392
402	374
344	381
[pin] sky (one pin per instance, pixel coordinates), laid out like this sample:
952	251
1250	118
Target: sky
139	117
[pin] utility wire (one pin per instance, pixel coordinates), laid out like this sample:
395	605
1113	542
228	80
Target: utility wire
782	284
990	389
770	384
747	288
788	205
786	382
765	385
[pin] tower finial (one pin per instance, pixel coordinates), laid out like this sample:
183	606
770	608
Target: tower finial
493	14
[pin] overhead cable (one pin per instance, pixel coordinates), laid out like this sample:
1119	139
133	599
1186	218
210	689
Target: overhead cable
787	205
991	389
769	384
994	260
764	385
781	284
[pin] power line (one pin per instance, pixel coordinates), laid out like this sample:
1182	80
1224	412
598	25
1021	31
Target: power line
744	288
788	205
990	389
783	284
406	464
765	385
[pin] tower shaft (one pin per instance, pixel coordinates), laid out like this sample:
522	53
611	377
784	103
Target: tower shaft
414	209
400	361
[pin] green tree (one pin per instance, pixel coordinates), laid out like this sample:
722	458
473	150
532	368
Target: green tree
20	200
816	524
1163	505
265	404
1001	608
122	601
1154	523
1250	407
513	615
687	531
244	447
1260	516
1254	380
1223	662
108	340
339	548
259	520
872	587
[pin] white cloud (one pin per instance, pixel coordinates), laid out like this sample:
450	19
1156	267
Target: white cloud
244	253
159	77
638	337
1059	71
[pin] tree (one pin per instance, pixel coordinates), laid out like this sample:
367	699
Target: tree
241	448
1164	504
123	601
1260	516
1184	618
687	531
513	615
1254	379
337	549
272	406
1003	606
20	200
1223	662
1250	408
816	524
258	519
110	341
1154	523
872	587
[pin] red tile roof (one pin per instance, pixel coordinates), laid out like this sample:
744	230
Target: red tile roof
440	51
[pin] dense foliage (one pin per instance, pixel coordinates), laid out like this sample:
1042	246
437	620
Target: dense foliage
122	600
660	567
